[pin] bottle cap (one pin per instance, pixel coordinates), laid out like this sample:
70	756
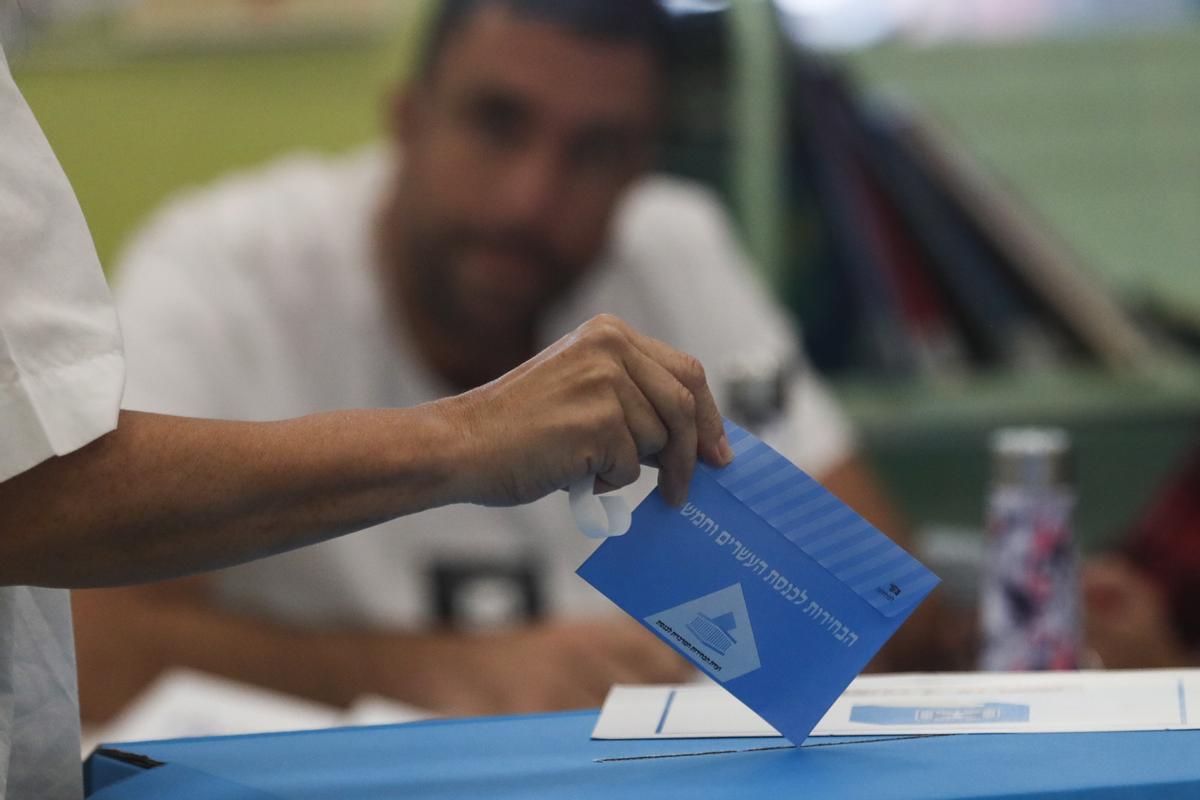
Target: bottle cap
1031	457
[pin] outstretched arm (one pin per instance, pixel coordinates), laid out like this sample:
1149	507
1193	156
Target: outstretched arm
168	496
124	638
164	496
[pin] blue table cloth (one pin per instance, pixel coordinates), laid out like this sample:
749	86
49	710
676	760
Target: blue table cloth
552	756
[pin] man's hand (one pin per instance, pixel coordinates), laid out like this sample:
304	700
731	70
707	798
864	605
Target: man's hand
1128	622
547	667
601	401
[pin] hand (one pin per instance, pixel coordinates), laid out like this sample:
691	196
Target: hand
601	401
1127	620
547	667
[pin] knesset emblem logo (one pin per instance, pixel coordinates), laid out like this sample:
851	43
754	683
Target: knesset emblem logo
714	631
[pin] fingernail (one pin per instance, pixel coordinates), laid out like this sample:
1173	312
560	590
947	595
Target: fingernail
726	450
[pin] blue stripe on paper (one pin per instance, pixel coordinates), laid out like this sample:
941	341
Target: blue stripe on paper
823	527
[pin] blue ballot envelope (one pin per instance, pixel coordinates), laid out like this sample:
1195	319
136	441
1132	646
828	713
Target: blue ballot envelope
765	580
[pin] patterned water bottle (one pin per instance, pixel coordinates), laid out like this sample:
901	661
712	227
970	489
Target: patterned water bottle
1029	603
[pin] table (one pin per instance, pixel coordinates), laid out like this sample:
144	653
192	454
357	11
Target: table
552	756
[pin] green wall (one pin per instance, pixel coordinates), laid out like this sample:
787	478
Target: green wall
1102	135
130	128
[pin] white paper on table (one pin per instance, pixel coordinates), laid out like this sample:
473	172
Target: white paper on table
936	703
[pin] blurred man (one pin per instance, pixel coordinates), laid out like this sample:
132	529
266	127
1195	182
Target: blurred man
511	204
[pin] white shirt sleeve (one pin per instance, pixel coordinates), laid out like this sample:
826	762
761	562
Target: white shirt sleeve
61	363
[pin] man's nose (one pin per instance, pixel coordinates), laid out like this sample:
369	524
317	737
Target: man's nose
532	188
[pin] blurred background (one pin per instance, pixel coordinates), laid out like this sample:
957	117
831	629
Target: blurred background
987	212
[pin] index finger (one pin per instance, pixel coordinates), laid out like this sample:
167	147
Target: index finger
712	443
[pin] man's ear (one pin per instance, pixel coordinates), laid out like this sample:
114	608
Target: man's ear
404	117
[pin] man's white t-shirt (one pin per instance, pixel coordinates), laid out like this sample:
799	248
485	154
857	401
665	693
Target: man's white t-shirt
259	299
61	373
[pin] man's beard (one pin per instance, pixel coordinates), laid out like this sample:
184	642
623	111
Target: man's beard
440	269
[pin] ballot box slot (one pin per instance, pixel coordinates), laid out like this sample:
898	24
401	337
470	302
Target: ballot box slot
133	759
806	746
